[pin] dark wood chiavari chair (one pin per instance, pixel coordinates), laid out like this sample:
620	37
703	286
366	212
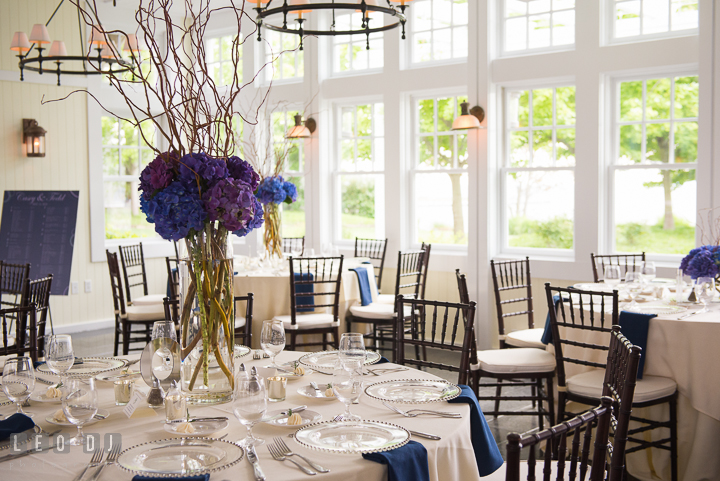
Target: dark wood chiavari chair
373	249
132	259
521	367
436	325
313	280
12	280
243	323
20	344
173	277
579	313
627	262
289	244
37	292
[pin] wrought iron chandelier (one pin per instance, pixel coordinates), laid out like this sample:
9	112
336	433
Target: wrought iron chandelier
270	15
104	60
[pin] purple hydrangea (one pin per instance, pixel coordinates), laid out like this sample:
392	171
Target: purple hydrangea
702	261
158	174
209	169
231	202
242	170
254	223
175	211
275	190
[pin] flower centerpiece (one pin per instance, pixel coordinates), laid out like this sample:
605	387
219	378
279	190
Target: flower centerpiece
272	192
196	189
703	261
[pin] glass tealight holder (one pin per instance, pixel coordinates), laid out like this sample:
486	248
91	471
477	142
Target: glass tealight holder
123	391
276	388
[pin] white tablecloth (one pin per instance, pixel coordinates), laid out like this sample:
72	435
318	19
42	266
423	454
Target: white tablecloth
271	290
452	458
686	351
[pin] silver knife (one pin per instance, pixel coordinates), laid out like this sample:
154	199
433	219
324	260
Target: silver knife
425	435
314	385
194	420
252	457
9	457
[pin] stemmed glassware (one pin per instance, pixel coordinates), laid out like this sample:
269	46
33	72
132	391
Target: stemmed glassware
80	405
612	275
60	354
633	286
272	339
18	381
352	350
704	291
249	405
296	250
347	386
164	329
647	272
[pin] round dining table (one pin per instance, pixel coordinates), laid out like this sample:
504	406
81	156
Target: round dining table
452	457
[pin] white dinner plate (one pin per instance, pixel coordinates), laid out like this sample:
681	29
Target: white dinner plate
41	398
307	416
52	420
202	428
308	391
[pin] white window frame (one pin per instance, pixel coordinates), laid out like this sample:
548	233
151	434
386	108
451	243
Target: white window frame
504	170
530	51
219	35
351	40
613	149
610	38
413	170
410	34
262	52
337	136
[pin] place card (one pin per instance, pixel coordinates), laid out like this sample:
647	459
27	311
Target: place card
136	400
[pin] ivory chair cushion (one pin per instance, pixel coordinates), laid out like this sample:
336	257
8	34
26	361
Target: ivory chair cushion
11	341
376	311
647	389
526	338
239	322
149	300
386	299
522	360
307	321
153	312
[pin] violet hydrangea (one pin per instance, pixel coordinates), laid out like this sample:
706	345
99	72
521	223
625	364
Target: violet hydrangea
209	169
241	170
254	223
158	174
231	202
702	261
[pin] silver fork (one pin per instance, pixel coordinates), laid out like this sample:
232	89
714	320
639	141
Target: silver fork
94	462
420	412
275	453
113	454
285	449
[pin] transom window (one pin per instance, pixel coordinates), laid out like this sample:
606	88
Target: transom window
438	30
538	172
293	215
660	18
537	24
439	174
218	56
360	191
653	165
282	50
350	52
125	153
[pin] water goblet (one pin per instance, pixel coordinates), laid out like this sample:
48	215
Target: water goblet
272	339
60	354
249	406
18	381
164	328
704	291
352	350
647	272
633	286
296	250
347	386
612	275
80	405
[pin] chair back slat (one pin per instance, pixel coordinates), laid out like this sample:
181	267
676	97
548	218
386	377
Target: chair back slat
375	250
132	259
512	276
19	342
173	277
450	317
630	262
37	292
12	277
327	274
290	244
246	335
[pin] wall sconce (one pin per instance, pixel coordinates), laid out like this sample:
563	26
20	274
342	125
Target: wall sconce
301	130
33	138
469	119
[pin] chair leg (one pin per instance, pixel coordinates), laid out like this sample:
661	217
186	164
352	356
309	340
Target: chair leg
292	340
550	399
538	390
673	438
498	394
532	392
116	343
561	407
336	338
324	341
126	338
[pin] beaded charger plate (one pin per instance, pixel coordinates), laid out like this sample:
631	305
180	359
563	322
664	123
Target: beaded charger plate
324	361
91	366
351	437
413	391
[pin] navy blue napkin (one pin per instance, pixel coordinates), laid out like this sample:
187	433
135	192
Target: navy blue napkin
302	289
364	284
199	477
409	462
382	360
634	326
487	454
17	423
547	337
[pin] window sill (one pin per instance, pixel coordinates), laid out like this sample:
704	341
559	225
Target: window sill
612	42
436	63
152	248
538	51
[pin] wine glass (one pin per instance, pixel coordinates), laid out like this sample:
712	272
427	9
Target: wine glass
352	350
326	249
633	286
18	381
80	405
249	406
347	386
296	249
272	339
647	272
60	354
612	275
704	291
164	328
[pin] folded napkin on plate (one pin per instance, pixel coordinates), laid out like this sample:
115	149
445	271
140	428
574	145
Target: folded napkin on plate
364	284
200	477
382	360
17	423
409	462
304	289
634	326
487	454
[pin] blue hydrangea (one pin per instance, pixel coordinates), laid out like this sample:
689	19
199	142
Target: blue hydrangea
275	190
290	191
175	211
702	261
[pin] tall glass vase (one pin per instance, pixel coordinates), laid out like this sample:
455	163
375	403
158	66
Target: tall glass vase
273	241
207	318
